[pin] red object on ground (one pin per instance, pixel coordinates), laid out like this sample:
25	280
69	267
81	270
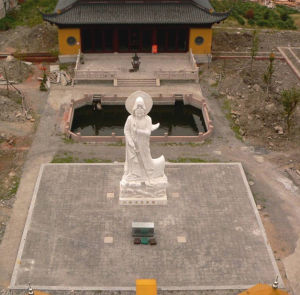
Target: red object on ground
154	48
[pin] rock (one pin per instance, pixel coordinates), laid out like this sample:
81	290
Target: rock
29	117
32	120
63	80
218	153
10	142
251	182
12	174
54	68
259	207
236	113
48	83
250	117
278	129
230	97
3	135
270	107
211	82
256	87
259	159
9	58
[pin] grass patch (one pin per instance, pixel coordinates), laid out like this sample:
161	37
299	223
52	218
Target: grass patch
64	159
192	144
187	160
235	128
296	19
68	140
259	200
11	192
96	160
27	14
119	143
253	14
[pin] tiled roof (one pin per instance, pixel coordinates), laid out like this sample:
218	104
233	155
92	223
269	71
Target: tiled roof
61	4
135	13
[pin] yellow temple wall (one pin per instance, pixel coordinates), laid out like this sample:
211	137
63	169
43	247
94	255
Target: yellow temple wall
198	34
69	40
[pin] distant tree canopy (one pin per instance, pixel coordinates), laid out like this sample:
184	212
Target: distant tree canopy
27	14
256	14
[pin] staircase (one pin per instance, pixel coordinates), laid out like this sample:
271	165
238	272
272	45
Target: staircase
150	82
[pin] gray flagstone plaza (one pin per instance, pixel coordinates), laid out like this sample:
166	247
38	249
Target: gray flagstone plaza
78	237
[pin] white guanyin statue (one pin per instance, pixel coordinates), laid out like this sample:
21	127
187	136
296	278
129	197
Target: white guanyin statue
144	180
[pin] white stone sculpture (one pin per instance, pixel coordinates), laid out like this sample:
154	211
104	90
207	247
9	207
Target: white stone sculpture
144	181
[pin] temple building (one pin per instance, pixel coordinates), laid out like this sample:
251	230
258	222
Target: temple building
101	26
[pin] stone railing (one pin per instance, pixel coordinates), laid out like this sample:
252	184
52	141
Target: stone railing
192	60
183	74
189	99
177	75
94	75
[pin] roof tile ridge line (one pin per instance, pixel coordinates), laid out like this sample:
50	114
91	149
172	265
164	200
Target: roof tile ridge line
63	10
214	13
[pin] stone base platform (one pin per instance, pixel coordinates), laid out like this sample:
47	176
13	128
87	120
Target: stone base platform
77	236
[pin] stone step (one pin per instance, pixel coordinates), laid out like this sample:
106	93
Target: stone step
136	82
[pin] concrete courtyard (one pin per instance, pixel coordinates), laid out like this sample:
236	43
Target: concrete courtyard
77	237
121	63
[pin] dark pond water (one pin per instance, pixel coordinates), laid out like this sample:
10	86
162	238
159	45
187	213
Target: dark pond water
175	119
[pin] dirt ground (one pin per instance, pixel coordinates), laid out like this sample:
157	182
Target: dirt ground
41	38
256	118
240	40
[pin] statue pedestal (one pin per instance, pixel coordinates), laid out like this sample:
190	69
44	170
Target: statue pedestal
135	193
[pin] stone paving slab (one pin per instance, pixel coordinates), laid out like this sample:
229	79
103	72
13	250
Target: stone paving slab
209	236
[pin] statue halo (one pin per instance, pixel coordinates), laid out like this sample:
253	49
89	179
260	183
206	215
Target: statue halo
130	101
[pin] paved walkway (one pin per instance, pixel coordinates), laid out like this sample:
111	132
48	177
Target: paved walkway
292	57
149	63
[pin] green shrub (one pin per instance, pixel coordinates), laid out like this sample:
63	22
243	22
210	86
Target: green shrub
251	22
284	16
261	15
28	14
262	23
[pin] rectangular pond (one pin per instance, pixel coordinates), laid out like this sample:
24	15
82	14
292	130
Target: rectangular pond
176	120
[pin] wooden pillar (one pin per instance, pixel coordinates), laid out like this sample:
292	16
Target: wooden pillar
154	35
115	39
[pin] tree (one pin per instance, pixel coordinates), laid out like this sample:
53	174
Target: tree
254	48
290	99
269	73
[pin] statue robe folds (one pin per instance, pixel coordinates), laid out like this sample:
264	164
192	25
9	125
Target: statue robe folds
139	165
144	180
